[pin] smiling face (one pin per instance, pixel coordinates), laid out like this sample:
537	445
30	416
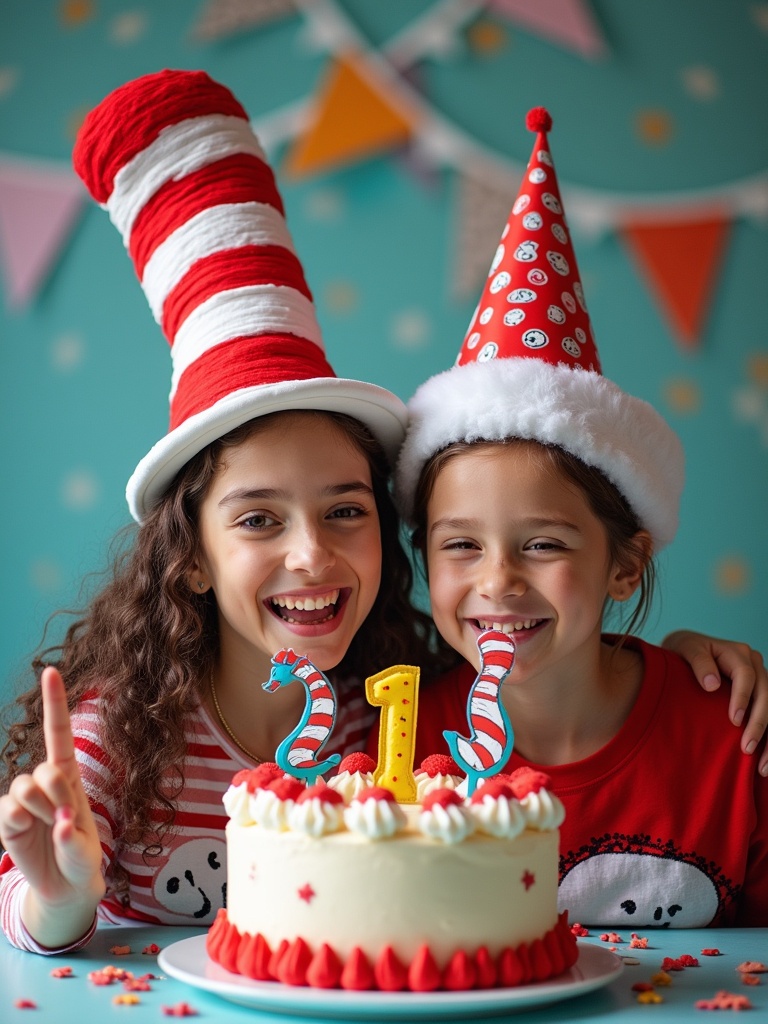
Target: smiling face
512	545
290	541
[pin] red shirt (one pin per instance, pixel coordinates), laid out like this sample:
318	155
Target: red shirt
667	824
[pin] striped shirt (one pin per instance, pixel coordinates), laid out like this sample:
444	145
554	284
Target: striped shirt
185	882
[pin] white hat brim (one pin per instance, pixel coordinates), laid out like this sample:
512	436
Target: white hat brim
578	410
382	412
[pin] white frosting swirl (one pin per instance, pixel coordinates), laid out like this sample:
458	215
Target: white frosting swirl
450	824
427	783
543	810
374	819
237	804
316	817
351	784
269	811
499	816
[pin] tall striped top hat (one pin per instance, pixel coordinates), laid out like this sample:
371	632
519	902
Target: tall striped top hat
173	159
528	367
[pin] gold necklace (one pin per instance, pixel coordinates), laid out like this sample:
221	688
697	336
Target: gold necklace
227	730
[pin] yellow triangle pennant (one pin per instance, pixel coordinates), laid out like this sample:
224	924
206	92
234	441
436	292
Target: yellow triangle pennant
353	120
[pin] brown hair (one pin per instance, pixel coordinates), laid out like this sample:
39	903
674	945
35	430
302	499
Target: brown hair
146	642
604	499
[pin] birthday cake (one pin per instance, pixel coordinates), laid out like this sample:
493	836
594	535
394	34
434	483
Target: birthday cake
383	878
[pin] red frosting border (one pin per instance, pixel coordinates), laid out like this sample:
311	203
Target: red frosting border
295	963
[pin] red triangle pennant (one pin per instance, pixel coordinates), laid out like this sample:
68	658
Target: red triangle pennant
680	262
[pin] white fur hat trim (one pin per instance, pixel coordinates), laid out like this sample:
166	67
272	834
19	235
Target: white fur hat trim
576	409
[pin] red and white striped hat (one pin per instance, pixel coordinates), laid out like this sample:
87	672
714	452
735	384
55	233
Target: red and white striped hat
528	367
172	157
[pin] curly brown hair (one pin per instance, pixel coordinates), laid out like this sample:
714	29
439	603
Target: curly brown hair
146	643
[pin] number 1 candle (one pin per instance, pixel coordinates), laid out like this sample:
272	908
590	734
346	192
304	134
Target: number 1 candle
396	690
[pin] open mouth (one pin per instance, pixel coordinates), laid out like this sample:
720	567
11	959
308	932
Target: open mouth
510	628
308	609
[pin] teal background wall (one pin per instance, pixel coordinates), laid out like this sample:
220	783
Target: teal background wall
84	371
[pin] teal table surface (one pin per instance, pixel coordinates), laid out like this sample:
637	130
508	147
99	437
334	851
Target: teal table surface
76	1000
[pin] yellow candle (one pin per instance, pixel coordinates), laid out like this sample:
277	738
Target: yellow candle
396	690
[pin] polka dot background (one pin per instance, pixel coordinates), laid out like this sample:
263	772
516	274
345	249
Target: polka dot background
677	103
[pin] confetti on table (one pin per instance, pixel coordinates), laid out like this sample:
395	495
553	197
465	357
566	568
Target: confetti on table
752	967
136	985
679	963
724	1001
650	997
62	972
126	1000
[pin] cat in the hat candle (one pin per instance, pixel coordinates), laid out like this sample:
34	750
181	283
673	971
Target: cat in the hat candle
264	521
539	493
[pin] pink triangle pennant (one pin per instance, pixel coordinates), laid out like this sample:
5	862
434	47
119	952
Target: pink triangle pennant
567	23
39	204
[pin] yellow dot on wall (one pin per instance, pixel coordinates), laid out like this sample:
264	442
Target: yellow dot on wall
75	12
682	396
654	127
732	575
757	368
486	37
341	296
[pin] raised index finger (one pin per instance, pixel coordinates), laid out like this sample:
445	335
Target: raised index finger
57	729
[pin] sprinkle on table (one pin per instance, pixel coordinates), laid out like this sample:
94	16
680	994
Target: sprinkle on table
119	950
636	942
752	967
611	937
179	1010
579	930
662	979
649	997
62	972
750	979
24	1004
723	1000
711	951
151	950
126	999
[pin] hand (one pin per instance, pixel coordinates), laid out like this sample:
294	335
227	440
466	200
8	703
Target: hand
711	660
47	827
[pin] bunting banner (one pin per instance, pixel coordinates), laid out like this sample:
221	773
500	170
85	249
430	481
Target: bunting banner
222	18
569	24
680	262
368	104
355	117
39	205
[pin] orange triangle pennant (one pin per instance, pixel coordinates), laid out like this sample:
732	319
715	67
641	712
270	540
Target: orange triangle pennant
680	263
353	120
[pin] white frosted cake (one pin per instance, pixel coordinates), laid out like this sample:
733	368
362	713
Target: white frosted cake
338	885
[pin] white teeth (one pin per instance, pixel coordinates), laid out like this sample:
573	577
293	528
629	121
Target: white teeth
307	604
508	627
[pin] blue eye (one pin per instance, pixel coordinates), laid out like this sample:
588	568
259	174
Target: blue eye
258	521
